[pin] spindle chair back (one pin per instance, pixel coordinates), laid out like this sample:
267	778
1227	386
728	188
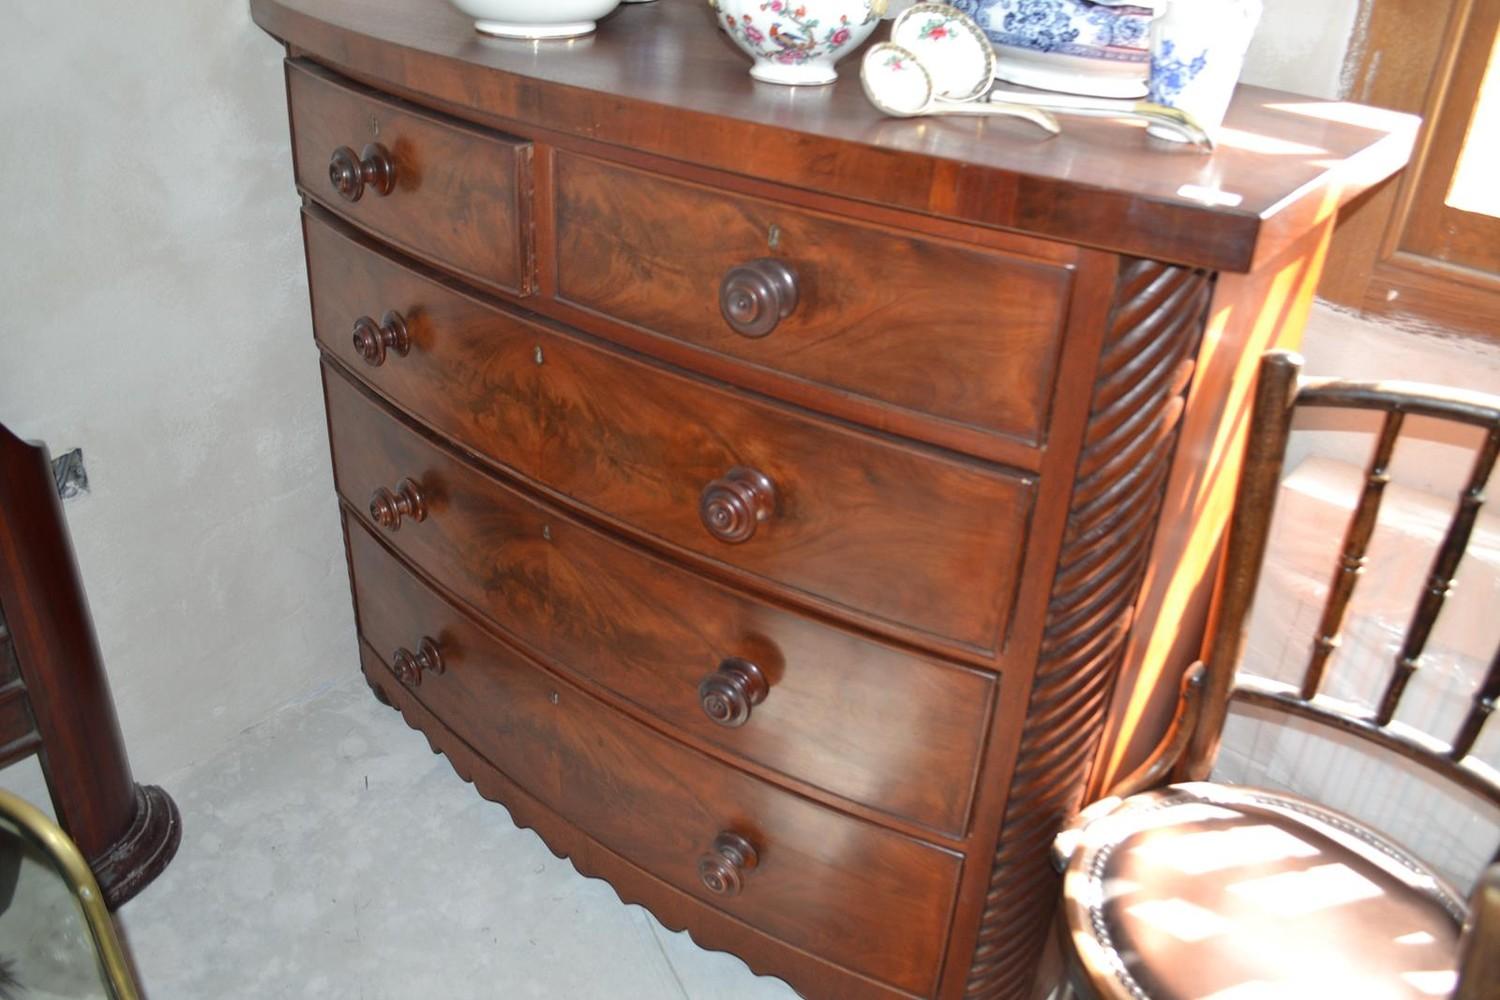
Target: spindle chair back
1199	889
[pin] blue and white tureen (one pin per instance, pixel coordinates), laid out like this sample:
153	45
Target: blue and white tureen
1096	47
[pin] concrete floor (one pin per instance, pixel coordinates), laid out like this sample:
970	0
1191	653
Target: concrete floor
331	854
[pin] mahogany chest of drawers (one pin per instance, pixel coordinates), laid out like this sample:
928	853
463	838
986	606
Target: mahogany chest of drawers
768	502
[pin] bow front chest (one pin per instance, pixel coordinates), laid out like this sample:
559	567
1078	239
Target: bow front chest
778	507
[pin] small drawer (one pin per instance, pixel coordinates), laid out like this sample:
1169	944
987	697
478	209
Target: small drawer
937	328
817	879
856	718
450	193
835	514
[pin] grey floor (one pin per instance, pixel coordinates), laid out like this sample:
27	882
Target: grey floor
331	854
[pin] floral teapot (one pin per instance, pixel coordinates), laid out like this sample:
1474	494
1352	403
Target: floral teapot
798	41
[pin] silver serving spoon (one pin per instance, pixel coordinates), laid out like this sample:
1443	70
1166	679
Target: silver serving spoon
897	83
1173	120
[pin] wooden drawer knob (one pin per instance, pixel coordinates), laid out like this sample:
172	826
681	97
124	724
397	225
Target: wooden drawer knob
722	870
754	297
410	666
732	505
389	508
350	174
372	340
728	694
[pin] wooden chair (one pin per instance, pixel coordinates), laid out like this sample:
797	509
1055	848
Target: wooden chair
1198	890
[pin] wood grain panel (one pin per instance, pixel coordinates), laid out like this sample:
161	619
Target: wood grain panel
859	719
942	329
824	881
462	197
639	444
1134	416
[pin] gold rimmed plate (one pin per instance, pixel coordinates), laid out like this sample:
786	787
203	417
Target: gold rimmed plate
951	46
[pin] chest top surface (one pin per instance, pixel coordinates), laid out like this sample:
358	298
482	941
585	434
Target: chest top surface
662	79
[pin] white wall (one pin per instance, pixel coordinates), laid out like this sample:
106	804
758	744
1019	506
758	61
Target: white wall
156	315
1300	46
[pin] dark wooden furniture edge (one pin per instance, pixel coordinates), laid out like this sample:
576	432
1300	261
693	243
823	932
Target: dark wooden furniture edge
1181	232
675	909
127	832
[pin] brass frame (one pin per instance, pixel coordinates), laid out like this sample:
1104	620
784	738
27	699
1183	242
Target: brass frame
48	838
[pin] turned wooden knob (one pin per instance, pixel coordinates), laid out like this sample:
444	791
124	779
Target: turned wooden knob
722	870
349	174
728	694
389	508
410	666
734	504
372	340
754	297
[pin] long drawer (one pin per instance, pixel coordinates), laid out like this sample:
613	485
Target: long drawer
856	718
837	514
818	879
940	329
454	194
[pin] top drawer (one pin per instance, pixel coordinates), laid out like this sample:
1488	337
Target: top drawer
936	328
453	194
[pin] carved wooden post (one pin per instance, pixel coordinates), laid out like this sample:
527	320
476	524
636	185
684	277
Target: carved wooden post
127	832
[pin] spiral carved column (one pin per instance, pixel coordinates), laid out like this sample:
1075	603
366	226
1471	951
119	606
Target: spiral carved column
1155	324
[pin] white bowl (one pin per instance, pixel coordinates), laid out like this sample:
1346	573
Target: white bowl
798	41
533	19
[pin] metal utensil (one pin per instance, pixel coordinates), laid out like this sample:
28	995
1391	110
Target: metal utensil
1178	122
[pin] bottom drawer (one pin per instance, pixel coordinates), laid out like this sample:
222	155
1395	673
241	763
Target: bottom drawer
856	894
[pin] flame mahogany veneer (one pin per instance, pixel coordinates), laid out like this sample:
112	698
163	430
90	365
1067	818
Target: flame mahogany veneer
760	497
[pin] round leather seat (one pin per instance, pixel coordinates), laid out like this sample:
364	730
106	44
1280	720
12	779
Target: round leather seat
1209	892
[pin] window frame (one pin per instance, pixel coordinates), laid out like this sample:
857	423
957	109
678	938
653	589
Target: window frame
1386	259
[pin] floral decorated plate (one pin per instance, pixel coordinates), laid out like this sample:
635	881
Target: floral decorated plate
951	47
1100	48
